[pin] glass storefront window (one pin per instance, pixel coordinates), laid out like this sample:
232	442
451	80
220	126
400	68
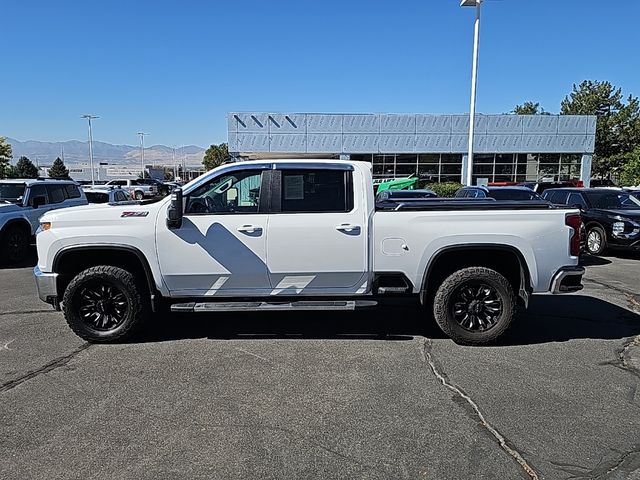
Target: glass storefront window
429	158
405	169
451	158
483	158
480	169
451	169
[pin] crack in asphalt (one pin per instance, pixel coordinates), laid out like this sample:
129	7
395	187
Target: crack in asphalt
632	297
22	312
502	441
57	363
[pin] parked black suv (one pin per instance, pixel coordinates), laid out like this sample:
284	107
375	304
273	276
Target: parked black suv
611	217
498	193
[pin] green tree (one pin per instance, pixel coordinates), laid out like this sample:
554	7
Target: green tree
25	168
5	156
618	126
529	108
630	174
215	156
58	169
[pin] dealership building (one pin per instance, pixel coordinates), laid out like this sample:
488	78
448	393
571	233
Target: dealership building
507	148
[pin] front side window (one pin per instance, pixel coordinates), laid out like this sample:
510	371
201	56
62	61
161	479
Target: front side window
613	200
316	191
234	192
38	191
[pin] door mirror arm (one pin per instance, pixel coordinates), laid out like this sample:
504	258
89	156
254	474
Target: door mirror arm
176	209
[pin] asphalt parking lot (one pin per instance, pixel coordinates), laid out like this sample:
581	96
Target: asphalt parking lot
324	395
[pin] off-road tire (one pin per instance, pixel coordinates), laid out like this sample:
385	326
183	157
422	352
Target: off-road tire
443	305
136	299
603	240
14	244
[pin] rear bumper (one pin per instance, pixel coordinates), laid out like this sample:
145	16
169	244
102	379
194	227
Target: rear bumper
567	280
47	285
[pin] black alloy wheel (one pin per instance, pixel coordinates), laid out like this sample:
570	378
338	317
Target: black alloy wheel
105	304
476	306
102	305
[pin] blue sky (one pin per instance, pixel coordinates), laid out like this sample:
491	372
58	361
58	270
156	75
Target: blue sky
175	68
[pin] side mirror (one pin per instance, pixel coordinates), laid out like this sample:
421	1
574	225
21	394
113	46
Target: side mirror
175	211
37	202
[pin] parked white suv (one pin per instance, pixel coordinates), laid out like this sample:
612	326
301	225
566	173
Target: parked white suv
22	203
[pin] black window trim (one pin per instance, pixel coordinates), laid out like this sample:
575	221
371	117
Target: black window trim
263	200
275	191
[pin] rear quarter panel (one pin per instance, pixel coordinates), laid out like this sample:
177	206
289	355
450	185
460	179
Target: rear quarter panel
541	236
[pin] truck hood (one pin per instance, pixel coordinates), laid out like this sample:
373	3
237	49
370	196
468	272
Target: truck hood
630	214
101	214
9	208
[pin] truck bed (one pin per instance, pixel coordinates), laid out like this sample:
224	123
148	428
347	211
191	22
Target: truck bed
432	204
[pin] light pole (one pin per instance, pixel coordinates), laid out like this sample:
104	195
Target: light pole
89	118
474	78
142	134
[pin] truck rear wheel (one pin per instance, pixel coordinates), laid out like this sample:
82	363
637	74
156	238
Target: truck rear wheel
474	305
104	304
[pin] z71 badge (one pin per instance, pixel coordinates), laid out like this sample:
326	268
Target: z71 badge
134	214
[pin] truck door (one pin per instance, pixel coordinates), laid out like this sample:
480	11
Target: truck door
318	231
220	247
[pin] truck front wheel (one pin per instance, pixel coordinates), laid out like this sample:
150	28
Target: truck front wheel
104	304
474	305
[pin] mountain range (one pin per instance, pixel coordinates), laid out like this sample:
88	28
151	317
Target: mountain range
77	153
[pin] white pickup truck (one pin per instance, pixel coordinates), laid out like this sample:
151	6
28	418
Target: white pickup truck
301	235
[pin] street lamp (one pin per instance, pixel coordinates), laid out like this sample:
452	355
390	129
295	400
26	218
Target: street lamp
142	134
89	118
474	78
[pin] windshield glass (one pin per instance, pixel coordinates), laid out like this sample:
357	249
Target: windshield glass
12	192
613	200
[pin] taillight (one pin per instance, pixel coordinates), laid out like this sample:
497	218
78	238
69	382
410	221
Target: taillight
575	222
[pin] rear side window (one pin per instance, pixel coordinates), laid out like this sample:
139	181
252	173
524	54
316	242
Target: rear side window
72	191
576	199
557	197
57	193
316	191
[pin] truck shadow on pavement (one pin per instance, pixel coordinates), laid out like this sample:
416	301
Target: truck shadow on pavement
549	319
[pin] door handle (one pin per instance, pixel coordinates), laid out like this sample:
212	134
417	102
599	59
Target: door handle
347	227
249	229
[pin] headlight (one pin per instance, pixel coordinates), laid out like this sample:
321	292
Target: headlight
618	228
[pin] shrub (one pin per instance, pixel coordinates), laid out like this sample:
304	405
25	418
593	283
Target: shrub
445	189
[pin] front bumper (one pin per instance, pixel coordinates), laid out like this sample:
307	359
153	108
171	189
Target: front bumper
47	285
567	280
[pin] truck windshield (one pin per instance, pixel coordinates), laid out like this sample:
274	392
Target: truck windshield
613	200
11	192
